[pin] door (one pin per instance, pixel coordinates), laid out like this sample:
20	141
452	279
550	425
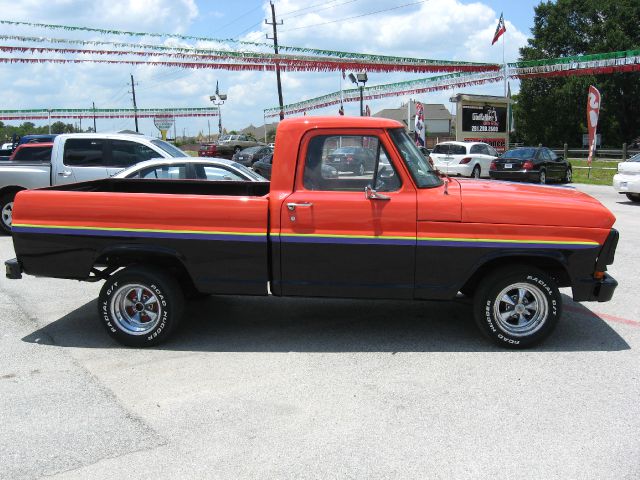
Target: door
82	160
338	240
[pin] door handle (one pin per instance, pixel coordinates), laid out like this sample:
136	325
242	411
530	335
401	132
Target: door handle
64	173
292	206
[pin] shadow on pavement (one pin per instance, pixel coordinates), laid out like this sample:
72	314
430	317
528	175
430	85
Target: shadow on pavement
269	324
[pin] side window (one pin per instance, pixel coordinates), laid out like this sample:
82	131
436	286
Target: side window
492	151
544	155
165	172
84	152
348	163
219	173
476	149
35	154
552	155
125	153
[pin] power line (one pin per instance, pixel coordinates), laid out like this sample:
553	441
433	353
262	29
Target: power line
320	9
241	16
356	16
309	7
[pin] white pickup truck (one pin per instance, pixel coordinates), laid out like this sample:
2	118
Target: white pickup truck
78	157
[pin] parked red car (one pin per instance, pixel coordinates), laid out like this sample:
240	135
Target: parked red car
208	150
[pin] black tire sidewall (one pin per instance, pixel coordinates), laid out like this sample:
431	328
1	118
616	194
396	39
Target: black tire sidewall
486	297
476	169
164	287
4	200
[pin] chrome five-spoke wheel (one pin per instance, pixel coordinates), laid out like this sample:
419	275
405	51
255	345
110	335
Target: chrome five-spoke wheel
520	309
135	309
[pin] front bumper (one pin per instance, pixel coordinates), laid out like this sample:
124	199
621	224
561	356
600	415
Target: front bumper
14	269
592	290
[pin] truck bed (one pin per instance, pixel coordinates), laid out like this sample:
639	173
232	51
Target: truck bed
218	238
177	187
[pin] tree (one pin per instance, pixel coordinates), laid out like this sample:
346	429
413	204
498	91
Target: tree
271	135
552	111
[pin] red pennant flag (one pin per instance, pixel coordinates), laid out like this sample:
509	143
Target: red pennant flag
500	29
341	110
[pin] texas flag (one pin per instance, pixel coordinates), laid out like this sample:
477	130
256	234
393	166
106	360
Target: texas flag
500	29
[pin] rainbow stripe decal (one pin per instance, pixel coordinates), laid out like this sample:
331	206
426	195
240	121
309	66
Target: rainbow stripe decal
434	241
140	232
300	238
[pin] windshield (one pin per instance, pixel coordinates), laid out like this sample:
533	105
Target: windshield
520	153
252	150
168	148
635	158
224	138
422	173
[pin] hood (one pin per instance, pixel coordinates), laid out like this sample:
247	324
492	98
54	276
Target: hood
489	201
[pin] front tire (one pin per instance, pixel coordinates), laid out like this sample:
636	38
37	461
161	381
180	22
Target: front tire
6	210
568	176
140	306
517	307
476	172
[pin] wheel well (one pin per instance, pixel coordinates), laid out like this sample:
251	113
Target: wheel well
550	266
12	189
171	264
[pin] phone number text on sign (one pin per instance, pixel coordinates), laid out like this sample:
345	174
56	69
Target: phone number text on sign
485	128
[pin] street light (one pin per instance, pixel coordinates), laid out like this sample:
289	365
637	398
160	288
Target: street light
218	99
357	79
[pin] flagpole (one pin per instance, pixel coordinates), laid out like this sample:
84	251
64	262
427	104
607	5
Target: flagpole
504	64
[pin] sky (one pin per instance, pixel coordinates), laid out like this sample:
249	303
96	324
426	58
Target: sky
437	29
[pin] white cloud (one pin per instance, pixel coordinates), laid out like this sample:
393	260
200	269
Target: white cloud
443	29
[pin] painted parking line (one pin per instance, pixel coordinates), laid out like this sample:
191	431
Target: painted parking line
604	316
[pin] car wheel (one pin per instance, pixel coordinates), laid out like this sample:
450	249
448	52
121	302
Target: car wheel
360	170
476	172
568	176
6	209
517	307
542	177
634	197
140	306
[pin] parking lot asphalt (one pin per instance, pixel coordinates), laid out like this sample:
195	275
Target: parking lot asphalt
314	388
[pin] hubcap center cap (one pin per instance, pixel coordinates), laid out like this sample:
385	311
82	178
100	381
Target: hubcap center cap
139	307
520	309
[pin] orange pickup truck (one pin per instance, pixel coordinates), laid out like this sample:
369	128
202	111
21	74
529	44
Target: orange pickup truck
398	230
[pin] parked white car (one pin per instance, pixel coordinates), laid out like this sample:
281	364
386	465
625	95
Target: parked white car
627	180
468	159
187	168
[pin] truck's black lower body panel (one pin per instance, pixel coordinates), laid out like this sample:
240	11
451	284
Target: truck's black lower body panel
215	266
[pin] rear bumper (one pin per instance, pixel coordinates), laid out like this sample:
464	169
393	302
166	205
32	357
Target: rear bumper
14	269
521	175
626	183
592	290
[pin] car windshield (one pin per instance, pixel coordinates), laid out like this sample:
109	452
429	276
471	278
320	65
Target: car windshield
224	138
247	172
421	171
520	153
635	158
172	150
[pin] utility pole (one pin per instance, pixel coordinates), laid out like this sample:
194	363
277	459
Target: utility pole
135	107
275	48
94	117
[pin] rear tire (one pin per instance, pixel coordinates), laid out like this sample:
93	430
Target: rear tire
6	209
568	176
634	197
140	306
517	307
476	172
542	177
